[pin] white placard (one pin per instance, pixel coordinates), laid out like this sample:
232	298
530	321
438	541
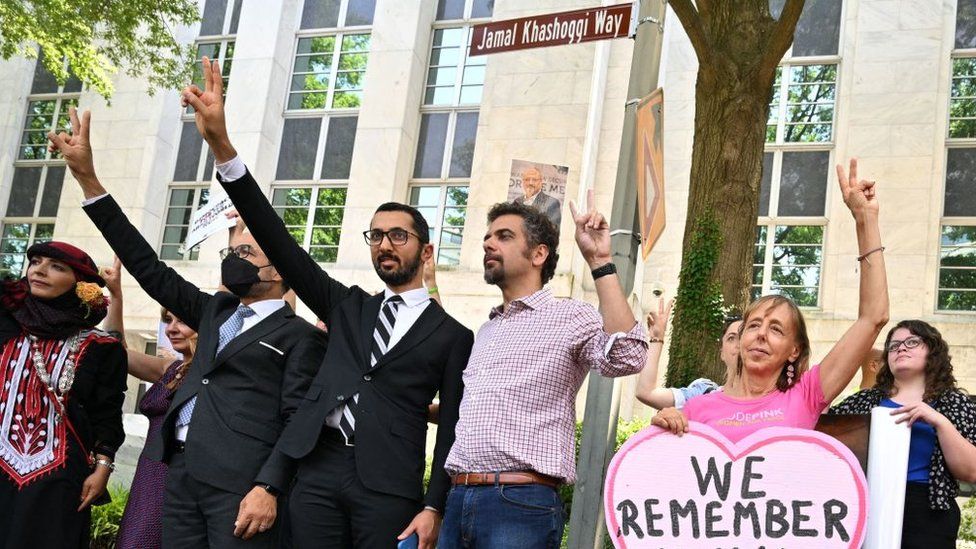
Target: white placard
887	475
209	220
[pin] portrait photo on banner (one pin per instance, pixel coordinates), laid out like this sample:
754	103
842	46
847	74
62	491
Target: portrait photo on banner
540	185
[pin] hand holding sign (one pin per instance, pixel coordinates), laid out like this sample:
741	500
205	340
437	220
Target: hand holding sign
779	487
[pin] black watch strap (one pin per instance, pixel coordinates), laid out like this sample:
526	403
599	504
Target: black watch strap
604	270
270	489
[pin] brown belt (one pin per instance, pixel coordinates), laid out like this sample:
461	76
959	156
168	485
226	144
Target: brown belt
509	477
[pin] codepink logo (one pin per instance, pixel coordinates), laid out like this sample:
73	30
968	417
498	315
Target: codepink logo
779	487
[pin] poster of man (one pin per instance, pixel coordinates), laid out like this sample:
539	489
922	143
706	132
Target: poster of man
540	185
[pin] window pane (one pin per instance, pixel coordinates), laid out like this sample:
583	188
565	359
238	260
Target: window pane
960	189
425	196
338	147
23	192
44	81
360	12
482	8
188	155
299	141
213	17
320	14
965	24
765	184
957	272
810	102
803	184
462	153
332	196
962	101
430	149
818	29
52	191
457	196
235	17
449	9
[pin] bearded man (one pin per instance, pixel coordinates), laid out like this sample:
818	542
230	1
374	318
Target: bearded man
358	438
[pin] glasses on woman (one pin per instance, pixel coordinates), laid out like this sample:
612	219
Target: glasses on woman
242	251
909	343
397	236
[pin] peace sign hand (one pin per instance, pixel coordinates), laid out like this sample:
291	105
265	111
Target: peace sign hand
208	109
592	233
75	147
859	195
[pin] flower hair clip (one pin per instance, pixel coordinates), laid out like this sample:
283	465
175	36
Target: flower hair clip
91	296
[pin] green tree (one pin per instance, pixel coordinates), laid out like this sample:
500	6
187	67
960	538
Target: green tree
739	46
98	38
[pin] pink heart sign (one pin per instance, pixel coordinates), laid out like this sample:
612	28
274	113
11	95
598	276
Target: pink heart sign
777	488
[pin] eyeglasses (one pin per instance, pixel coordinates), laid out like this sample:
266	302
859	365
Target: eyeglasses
398	236
243	251
910	343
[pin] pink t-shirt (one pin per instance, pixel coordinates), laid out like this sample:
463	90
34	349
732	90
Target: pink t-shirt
736	418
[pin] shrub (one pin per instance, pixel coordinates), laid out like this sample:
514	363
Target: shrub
105	519
967	527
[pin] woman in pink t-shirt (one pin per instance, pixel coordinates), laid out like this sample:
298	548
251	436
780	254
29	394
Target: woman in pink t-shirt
775	388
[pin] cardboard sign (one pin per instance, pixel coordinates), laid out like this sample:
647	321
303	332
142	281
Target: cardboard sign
552	29
777	488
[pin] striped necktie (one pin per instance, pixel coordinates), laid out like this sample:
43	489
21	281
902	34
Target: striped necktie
381	343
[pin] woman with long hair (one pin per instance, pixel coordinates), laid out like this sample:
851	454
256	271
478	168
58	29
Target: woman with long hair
141	526
63	384
916	380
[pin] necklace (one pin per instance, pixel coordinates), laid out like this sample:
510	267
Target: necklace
67	378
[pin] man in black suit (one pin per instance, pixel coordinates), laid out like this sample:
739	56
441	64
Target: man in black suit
534	196
253	364
359	436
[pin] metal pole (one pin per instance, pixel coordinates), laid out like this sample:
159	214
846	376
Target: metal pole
600	417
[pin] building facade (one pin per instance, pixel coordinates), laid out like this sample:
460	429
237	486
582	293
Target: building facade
339	105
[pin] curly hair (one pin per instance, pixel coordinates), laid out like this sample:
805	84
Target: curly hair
802	340
938	363
539	230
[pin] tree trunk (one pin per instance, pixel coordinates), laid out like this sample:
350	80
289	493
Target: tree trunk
738	49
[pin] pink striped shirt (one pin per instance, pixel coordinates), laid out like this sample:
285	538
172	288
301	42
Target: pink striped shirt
518	411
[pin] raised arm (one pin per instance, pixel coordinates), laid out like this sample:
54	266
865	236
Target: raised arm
647	390
145	367
843	361
593	240
158	280
312	284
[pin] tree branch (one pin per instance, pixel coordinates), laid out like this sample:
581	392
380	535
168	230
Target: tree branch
692	22
782	36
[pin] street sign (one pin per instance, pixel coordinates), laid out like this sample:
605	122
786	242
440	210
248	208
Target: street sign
649	157
552	29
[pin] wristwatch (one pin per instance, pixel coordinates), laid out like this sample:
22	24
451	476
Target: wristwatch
604	270
270	489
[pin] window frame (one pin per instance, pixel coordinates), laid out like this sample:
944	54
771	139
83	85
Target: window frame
192	254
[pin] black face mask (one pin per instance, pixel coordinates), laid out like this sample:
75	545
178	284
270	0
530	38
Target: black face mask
239	275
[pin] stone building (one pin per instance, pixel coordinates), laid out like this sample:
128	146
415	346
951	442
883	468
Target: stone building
337	106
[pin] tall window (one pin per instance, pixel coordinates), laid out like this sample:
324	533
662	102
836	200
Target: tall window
321	116
194	168
799	139
32	206
956	290
449	125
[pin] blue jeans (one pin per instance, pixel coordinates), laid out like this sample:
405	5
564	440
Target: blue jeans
524	516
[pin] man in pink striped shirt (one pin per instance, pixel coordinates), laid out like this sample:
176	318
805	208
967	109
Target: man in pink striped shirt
514	440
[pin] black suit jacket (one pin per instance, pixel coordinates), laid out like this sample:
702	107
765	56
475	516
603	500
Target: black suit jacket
546	204
247	393
391	424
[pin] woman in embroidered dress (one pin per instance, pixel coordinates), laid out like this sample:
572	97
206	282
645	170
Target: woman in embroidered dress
141	526
916	380
63	384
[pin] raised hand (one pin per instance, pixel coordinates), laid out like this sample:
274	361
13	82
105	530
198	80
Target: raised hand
75	147
113	278
859	194
208	110
592	233
657	322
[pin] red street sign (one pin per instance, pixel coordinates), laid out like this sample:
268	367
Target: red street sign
551	29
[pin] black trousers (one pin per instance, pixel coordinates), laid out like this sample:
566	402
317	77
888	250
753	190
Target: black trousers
331	508
197	515
924	527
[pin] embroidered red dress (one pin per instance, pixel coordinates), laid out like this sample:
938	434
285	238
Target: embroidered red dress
45	440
